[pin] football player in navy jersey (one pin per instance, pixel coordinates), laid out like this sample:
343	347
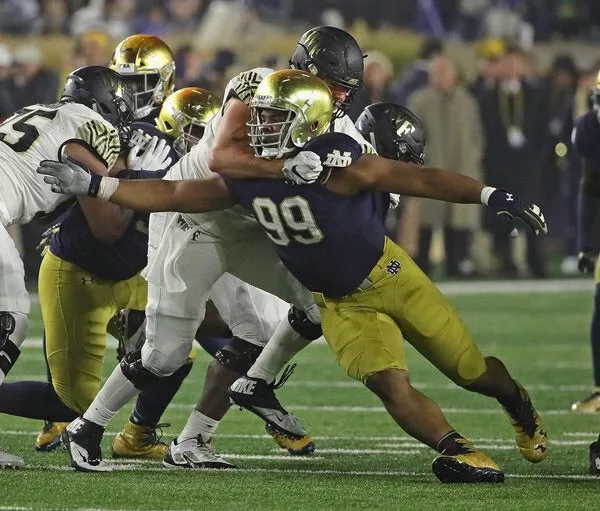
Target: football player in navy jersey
90	271
331	237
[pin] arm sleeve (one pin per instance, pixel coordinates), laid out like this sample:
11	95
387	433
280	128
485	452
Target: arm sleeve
101	139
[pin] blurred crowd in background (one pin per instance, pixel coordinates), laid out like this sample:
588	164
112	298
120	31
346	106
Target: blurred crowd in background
505	119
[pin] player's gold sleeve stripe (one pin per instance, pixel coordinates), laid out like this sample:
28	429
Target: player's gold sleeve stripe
367	148
102	138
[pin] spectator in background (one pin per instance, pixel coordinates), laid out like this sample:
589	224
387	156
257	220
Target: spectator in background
35	83
19	17
152	21
559	183
275	62
489	54
415	76
93	48
115	17
512	114
184	16
214	77
8	98
55	17
376	78
471	16
451	119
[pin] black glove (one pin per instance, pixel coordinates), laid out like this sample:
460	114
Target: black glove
508	207
586	261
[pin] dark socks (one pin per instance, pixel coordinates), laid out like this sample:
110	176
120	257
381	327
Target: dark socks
595	337
151	404
213	344
450	444
34	400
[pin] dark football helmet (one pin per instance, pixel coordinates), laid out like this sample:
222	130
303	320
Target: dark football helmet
394	131
334	56
104	91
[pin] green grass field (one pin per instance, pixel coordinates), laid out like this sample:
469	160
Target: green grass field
363	461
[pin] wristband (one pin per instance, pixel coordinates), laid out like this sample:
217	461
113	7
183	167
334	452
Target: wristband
94	185
486	193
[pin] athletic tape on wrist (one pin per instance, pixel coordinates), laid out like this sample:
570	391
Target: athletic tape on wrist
486	193
108	186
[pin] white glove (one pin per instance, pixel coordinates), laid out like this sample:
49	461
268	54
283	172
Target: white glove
155	155
303	168
68	178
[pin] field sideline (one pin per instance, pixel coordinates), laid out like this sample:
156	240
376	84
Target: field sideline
363	461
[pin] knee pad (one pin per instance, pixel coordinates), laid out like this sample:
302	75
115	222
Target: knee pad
133	369
13	328
471	365
238	355
303	325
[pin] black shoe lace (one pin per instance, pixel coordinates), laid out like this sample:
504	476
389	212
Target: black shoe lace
153	436
287	372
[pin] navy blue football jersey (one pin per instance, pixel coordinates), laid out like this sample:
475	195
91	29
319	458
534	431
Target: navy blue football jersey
74	242
329	242
586	138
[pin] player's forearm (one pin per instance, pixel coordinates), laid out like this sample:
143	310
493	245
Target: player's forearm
155	195
236	162
427	182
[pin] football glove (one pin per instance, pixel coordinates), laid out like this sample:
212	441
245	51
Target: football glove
302	169
70	178
508	207
586	261
153	155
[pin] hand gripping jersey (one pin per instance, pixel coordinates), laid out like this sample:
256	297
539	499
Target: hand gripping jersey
329	242
37	133
121	260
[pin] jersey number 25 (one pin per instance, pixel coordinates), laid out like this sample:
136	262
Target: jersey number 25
290	220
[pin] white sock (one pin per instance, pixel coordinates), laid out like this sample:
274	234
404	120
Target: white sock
198	424
281	348
116	392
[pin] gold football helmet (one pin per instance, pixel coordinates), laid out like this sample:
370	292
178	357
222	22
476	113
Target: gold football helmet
147	64
184	115
289	108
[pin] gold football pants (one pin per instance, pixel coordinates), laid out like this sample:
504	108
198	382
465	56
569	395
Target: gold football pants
366	328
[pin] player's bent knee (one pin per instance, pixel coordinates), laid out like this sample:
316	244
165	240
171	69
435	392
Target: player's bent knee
303	325
135	371
470	367
389	385
238	355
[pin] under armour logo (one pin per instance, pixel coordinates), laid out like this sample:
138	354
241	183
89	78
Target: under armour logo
87	281
509	197
405	129
393	267
338	159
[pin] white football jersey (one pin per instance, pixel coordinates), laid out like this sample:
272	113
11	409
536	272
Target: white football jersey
36	133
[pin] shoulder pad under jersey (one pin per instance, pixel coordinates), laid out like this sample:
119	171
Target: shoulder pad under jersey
586	136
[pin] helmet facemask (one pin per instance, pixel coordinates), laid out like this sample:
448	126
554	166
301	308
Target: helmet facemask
271	131
148	92
190	132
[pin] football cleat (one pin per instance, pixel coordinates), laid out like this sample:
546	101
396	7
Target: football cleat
50	436
139	442
470	467
530	434
193	453
82	439
258	396
591	404
295	446
595	457
10	461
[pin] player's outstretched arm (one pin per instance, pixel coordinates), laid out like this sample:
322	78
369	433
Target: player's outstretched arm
588	207
375	172
231	154
146	195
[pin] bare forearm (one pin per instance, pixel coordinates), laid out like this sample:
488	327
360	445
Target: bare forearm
444	185
238	163
186	196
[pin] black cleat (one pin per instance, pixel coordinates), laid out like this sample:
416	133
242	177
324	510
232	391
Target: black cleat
595	457
82	439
